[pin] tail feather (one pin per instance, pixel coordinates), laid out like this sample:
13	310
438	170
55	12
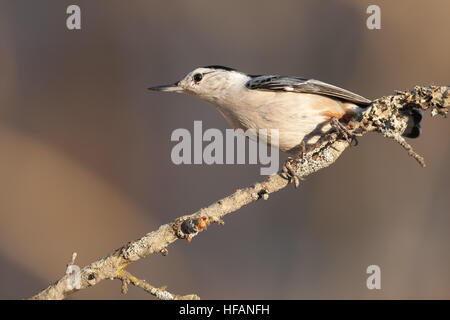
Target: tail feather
413	128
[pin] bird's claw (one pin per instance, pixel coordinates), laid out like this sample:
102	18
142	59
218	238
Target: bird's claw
343	131
289	172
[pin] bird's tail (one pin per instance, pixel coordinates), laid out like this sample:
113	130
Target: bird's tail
413	128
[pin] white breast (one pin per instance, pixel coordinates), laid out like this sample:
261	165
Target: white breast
297	116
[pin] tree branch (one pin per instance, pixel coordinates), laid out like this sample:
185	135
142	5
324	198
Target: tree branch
387	115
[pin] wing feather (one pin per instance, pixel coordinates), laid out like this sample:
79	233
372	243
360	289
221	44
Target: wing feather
301	85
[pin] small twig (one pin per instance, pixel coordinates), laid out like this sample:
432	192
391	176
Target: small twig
72	261
160	293
400	140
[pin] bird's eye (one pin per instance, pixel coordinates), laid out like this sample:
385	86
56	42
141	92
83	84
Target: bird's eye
198	77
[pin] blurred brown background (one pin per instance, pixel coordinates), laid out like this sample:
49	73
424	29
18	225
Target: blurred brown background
85	149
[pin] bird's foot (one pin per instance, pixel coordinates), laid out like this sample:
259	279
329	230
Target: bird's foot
289	172
343	131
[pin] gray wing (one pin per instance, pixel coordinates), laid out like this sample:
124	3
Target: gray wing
294	84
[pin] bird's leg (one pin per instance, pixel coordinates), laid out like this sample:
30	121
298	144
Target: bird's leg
342	130
302	150
289	171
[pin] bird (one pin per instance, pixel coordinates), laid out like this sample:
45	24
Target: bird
302	110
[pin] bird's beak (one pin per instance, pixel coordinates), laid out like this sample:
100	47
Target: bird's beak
168	88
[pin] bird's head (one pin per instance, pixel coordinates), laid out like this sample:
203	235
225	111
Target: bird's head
208	83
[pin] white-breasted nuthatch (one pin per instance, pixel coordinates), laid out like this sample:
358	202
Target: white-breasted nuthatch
299	108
